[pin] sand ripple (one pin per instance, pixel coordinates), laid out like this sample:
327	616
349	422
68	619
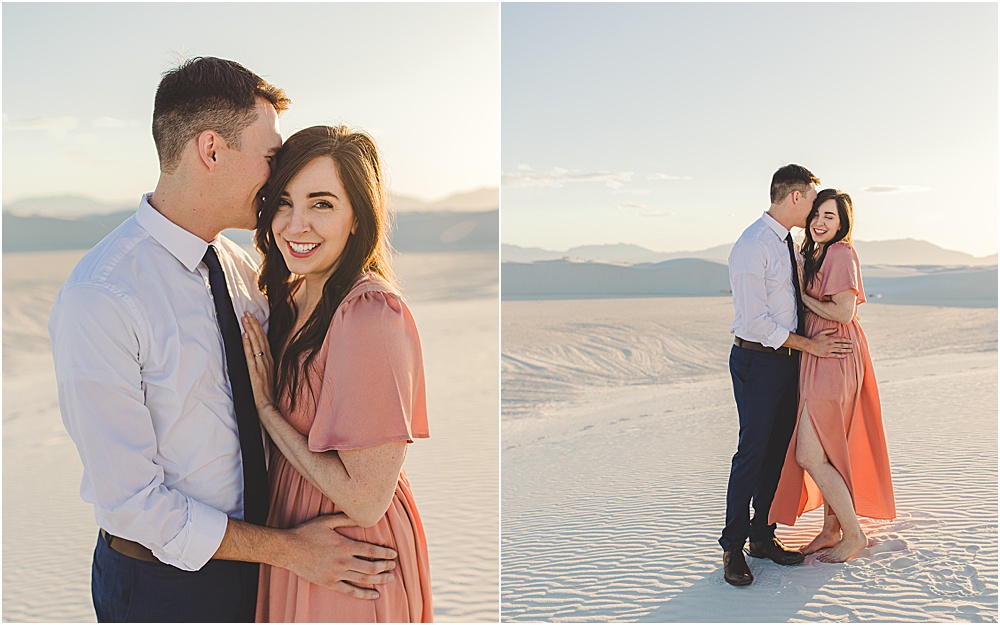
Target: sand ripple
560	355
613	501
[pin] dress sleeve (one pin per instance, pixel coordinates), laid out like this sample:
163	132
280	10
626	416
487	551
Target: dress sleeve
372	390
841	272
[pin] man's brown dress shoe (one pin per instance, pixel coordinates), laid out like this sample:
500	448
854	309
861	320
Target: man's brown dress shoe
735	568
775	551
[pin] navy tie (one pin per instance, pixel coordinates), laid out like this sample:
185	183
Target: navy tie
255	496
800	309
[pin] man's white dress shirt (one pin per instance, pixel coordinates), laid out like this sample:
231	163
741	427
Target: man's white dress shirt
143	386
760	274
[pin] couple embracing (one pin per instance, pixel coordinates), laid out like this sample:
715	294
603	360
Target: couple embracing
172	350
810	420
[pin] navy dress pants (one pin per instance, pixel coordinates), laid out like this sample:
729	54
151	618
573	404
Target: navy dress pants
766	390
126	590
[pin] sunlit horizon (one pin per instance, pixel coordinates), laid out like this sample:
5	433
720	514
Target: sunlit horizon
122	203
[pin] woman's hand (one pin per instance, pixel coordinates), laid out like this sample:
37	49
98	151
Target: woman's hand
809	302
259	362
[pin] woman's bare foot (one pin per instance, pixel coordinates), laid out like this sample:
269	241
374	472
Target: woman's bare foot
846	549
824	540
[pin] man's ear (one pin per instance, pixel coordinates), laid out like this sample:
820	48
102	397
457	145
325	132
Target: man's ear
209	143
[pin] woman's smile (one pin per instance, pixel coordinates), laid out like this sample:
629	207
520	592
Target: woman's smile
301	250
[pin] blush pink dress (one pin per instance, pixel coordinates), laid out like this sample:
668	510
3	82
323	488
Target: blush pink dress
369	389
843	406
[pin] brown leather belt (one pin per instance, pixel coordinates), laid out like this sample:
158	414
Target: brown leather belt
129	548
757	347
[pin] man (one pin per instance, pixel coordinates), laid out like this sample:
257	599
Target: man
147	379
764	364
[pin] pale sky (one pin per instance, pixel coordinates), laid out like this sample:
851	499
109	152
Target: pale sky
661	124
79	81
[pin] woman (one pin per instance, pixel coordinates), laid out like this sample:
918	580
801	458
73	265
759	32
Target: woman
839	439
340	387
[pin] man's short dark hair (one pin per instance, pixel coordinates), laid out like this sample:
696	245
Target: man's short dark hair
790	178
207	93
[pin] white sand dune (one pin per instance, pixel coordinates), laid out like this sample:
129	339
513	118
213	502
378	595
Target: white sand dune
49	533
618	428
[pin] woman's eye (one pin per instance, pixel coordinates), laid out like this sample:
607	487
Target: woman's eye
323	204
283	202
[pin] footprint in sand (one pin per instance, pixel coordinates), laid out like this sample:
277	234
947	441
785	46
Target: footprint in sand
972	575
587	427
902	564
968	609
892	545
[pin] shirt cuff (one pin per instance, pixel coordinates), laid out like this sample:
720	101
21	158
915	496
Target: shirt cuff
777	339
195	545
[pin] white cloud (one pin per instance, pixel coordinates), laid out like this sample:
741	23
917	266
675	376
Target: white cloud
54	126
886	188
111	122
525	176
641	210
659	176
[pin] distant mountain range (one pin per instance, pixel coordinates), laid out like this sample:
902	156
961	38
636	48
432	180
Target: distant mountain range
479	200
75	206
892	252
928	285
574	279
431	230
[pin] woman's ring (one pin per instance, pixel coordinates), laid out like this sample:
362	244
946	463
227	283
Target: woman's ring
258	354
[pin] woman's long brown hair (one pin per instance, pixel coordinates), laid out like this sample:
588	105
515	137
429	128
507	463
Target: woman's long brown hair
845	208
367	249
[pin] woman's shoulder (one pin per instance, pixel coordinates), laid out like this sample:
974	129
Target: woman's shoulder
372	313
842	249
370	299
371	286
844	246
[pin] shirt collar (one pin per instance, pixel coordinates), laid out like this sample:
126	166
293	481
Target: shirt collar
773	224
188	248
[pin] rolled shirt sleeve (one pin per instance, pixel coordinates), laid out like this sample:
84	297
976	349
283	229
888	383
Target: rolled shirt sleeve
97	337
